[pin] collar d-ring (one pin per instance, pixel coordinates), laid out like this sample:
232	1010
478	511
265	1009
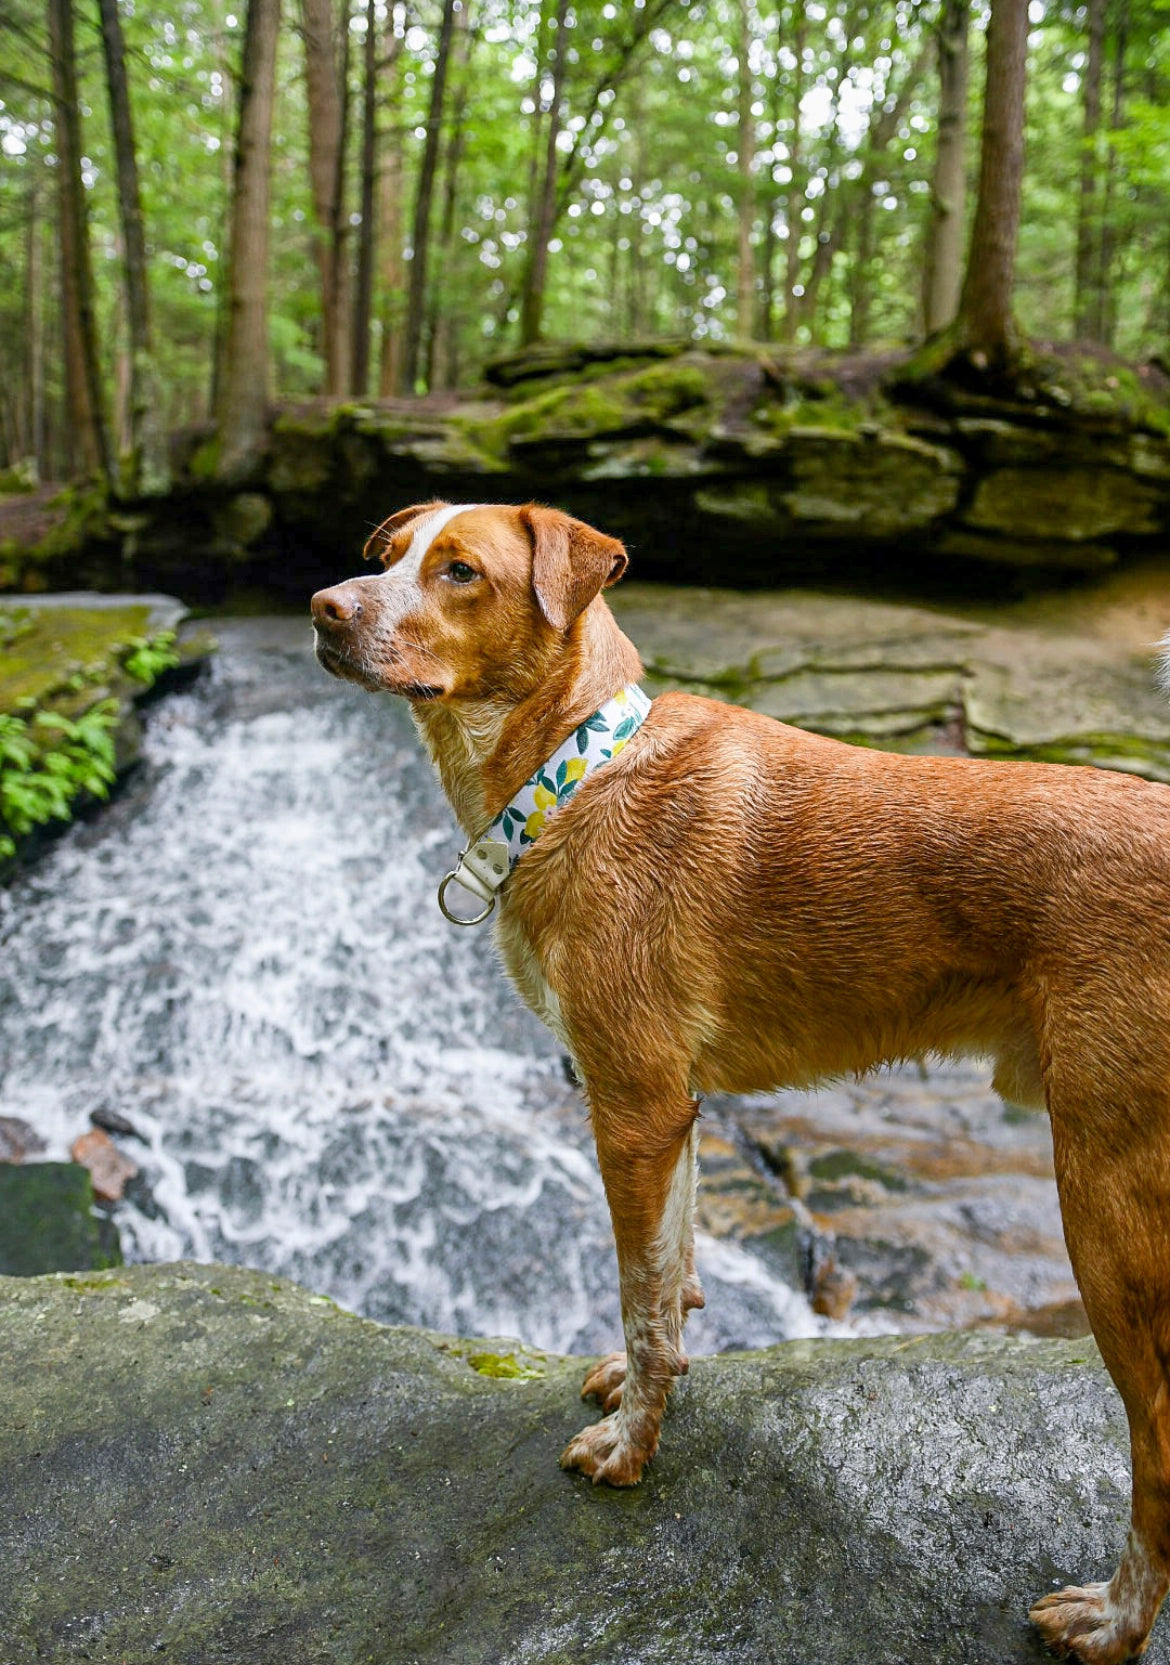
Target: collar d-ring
476	919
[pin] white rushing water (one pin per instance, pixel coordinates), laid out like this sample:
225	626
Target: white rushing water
244	957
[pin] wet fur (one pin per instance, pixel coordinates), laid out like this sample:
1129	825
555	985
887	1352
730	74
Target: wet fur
737	905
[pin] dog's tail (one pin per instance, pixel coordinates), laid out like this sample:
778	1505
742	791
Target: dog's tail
1164	664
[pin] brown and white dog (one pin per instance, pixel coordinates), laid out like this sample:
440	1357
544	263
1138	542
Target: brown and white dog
736	905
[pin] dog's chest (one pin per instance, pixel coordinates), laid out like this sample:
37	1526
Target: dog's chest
526	972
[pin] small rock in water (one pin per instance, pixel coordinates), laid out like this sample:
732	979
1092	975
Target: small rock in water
18	1140
112	1121
108	1168
835	1290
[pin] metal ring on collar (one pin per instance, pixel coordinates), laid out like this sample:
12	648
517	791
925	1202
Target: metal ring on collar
454	917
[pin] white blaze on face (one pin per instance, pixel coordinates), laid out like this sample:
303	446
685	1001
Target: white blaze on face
399	588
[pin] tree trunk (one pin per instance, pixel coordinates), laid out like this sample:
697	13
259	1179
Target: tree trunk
364	297
1086	309
745	273
541	230
795	198
943	274
985	309
326	64
1105	317
86	428
144	470
242	380
35	328
225	65
860	292
391	274
443	323
420	230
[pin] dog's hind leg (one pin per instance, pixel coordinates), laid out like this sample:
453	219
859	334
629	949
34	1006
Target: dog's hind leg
650	1181
1113	1171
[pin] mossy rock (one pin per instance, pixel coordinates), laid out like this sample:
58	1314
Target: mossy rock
1070	505
48	1223
252	1473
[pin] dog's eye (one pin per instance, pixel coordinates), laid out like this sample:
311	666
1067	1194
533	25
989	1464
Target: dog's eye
460	573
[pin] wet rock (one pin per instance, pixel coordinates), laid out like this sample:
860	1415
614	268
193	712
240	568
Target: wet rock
48	1224
910	678
275	1480
835	1291
936	1198
112	1121
18	1140
108	1168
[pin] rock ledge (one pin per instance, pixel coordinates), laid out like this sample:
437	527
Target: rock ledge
202	1463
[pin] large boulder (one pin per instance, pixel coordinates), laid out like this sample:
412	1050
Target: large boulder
208	1464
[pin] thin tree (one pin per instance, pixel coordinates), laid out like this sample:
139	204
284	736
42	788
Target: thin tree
144	470
327	90
541	230
442	324
745	273
420	230
35	436
86	427
242	380
1087	309
565	167
1105	319
943	266
795	196
985	330
364	292
390	264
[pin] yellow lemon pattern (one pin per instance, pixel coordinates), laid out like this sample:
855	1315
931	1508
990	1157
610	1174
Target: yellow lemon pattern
596	741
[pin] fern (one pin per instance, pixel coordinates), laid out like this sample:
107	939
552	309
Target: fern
46	763
145	658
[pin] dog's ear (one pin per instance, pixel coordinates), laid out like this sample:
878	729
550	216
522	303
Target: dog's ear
571	563
378	543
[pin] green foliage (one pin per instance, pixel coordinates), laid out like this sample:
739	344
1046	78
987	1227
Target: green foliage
47	762
14	622
646	238
145	658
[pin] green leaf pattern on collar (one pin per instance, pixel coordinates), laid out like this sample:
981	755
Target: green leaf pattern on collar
596	741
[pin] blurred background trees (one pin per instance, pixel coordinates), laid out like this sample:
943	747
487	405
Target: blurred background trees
204	207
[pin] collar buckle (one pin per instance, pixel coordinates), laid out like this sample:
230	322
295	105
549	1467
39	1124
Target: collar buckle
481	870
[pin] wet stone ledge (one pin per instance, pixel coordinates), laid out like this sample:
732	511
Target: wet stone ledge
205	1463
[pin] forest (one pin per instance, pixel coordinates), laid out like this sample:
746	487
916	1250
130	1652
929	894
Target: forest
204	208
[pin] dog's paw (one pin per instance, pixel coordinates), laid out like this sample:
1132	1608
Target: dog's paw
1083	1623
605	1381
605	1454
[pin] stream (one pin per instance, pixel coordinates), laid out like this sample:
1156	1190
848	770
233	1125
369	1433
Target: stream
243	957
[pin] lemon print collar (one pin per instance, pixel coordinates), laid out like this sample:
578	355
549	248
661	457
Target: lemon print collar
487	861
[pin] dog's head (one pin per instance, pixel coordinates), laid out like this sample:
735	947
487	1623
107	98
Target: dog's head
474	601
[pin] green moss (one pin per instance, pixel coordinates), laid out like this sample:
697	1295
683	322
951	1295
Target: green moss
67	650
847	1164
592	408
47	1223
504	1367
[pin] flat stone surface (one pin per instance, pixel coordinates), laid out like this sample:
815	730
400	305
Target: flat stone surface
918	678
209	1464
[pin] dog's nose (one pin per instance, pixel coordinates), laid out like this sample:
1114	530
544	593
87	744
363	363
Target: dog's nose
336	609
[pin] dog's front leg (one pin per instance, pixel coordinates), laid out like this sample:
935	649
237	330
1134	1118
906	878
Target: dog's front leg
648	1165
